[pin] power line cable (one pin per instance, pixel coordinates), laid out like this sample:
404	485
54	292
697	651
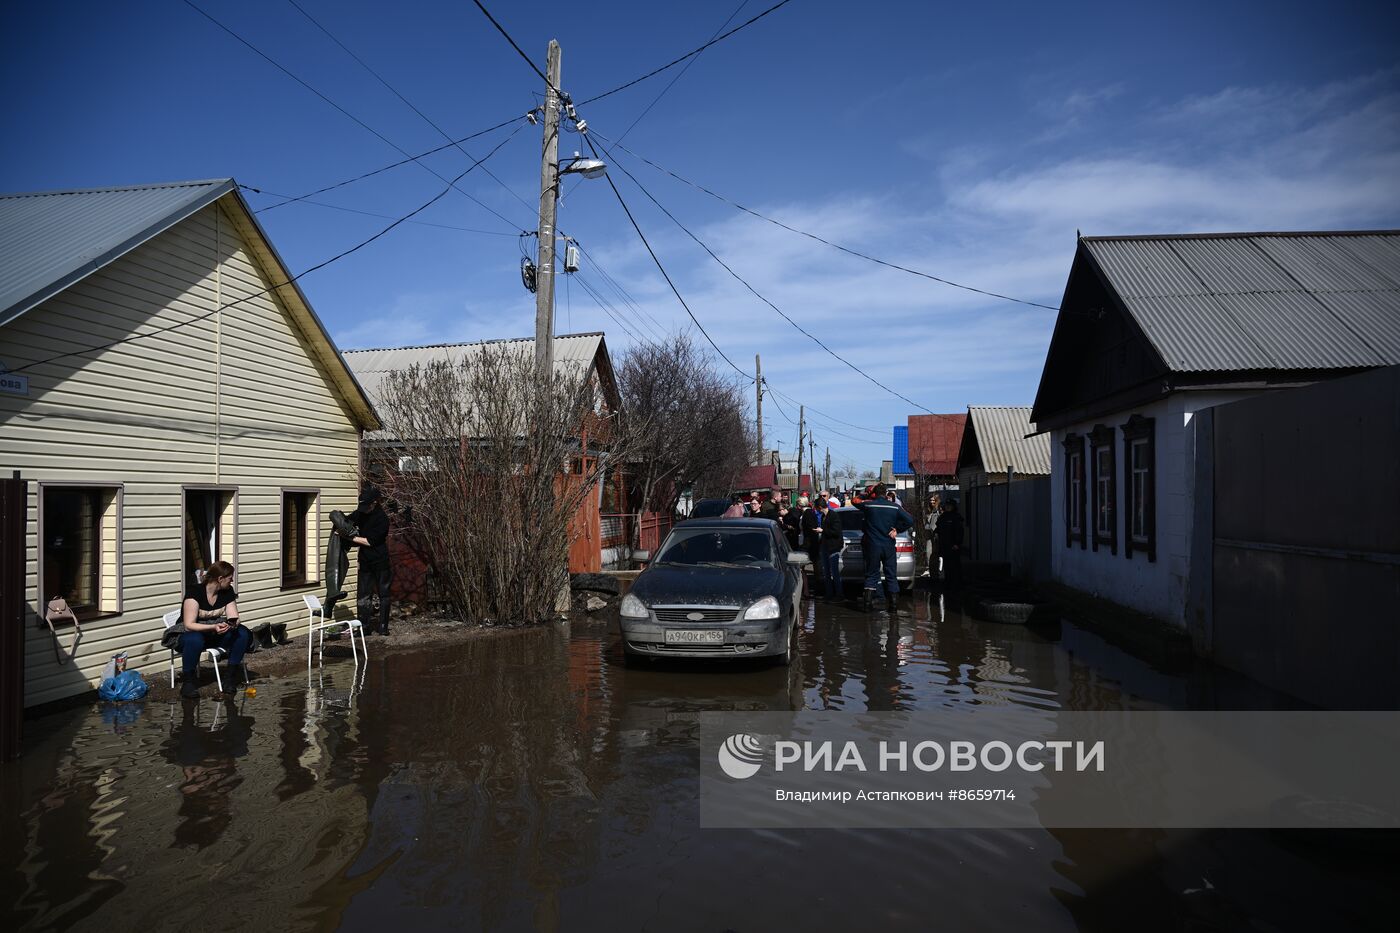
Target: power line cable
812	236
289	73
384	168
671	64
320	265
824	415
664	274
515	45
356	210
680	74
621	292
742	281
395	91
619	314
607	308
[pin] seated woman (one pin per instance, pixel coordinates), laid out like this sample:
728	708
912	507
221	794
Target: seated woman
209	617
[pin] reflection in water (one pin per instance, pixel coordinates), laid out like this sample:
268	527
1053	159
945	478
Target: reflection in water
530	780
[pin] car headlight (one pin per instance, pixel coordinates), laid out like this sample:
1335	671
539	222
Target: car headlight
765	608
633	607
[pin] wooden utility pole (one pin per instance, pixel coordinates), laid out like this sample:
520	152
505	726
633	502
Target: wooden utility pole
812	449
801	436
827	471
758	389
549	200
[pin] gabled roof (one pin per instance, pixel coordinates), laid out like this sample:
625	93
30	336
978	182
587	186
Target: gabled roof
995	438
574	354
933	443
52	239
1259	301
764	476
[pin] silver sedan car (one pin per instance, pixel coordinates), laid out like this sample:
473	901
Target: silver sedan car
853	555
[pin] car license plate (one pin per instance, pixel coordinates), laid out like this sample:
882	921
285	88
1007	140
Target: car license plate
694	637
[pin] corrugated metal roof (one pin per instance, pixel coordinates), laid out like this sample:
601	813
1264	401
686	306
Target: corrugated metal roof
933	443
1001	439
1260	301
757	477
901	450
573	354
51	239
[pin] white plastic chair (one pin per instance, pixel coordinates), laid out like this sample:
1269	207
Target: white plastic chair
315	611
213	654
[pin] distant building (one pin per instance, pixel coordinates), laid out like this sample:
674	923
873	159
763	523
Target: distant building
1153	329
902	473
934	441
205	415
582	356
995	441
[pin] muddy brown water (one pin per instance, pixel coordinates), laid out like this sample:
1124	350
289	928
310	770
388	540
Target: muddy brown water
531	781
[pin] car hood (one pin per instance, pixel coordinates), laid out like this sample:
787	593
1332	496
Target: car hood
706	586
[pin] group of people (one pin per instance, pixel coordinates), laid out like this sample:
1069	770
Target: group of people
209	615
814	525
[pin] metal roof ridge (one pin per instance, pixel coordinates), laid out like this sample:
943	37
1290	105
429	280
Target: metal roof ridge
468	343
1241	235
193	183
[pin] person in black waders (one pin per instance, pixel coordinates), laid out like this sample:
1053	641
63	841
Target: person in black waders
375	573
883	520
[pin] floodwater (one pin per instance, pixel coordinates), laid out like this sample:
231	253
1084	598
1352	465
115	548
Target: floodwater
531	781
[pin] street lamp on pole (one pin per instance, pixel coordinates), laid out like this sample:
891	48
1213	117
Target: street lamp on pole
550	174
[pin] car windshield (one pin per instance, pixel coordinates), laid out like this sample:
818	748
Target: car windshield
718	547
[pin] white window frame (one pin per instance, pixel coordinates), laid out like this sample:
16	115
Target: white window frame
1141	474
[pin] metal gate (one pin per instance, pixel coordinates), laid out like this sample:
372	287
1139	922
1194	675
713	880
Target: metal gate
12	519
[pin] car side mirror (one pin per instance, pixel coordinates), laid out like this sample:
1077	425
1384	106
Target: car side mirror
798	558
641	556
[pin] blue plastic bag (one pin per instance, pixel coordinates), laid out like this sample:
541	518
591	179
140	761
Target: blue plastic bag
127	685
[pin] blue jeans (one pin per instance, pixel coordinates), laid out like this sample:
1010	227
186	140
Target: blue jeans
880	554
193	644
831	564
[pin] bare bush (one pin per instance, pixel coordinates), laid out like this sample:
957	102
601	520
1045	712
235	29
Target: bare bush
697	428
483	457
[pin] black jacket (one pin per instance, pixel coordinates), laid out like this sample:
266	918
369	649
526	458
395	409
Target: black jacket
811	529
831	531
949	531
374	528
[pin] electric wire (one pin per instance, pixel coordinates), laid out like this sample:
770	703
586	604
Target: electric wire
680	74
382	168
515	45
812	236
643	332
289	73
411	106
824	415
607	308
691	54
305	272
742	281
664	274
621	292
356	210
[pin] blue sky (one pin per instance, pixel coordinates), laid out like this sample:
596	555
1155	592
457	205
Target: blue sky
967	140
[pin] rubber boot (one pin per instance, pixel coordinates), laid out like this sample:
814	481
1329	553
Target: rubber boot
867	601
892	602
189	688
233	678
